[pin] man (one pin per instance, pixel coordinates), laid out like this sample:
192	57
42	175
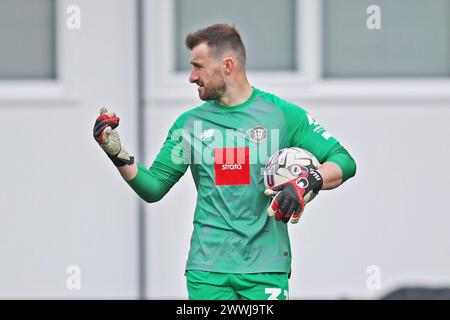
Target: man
238	251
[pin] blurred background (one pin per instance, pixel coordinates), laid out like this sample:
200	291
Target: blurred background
375	74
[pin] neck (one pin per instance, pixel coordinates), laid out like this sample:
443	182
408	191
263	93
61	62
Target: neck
237	92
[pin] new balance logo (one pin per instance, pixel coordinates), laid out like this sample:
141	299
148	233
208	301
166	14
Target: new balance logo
207	134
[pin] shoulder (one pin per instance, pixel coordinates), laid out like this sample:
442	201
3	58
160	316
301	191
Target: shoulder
181	120
288	108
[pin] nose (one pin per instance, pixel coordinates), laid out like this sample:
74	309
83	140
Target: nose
194	76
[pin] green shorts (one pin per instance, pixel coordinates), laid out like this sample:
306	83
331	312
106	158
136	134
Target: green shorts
204	285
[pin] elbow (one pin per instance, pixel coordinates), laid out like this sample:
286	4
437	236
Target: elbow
350	170
151	198
346	163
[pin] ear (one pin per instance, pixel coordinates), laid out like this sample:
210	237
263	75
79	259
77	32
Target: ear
228	65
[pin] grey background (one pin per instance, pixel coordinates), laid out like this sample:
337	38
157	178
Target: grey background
28	39
414	40
269	28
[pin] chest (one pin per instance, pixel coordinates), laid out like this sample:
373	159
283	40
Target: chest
233	149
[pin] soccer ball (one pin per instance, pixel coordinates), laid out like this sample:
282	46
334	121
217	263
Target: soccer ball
285	165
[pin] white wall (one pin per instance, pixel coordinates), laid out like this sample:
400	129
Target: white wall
394	213
62	202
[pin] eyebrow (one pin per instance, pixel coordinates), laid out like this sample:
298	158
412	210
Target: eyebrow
195	64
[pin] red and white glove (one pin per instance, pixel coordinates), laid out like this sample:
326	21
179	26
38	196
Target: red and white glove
290	197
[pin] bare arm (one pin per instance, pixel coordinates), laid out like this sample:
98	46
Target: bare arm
331	174
128	172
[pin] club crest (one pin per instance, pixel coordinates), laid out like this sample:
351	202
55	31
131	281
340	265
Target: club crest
258	133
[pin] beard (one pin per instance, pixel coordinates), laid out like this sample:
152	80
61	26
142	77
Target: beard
214	90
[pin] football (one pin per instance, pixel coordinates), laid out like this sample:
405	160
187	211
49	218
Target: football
285	165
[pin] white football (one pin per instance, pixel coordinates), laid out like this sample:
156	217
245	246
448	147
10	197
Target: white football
285	165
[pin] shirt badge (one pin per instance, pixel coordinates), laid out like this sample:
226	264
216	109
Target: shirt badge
258	133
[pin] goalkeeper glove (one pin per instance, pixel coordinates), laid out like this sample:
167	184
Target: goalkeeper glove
108	138
290	197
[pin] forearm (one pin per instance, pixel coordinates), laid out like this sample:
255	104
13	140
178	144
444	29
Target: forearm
128	172
145	182
331	174
337	168
150	184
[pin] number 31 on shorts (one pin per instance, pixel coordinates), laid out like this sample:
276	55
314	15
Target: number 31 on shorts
275	293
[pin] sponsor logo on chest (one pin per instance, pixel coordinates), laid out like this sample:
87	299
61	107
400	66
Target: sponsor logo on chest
232	166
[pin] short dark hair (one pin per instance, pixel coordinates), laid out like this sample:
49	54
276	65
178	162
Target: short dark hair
218	37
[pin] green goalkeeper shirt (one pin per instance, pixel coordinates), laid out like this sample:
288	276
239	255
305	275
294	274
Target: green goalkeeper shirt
226	149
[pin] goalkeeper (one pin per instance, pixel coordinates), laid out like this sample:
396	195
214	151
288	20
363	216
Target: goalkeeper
240	245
